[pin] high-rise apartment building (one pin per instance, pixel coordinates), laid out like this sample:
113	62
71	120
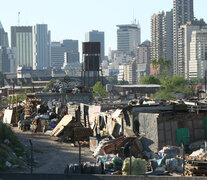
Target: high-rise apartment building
182	12
184	39
168	36
128	38
96	36
156	36
198	54
41	47
161	36
3	37
22	39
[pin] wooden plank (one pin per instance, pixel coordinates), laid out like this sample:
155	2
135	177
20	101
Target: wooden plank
60	126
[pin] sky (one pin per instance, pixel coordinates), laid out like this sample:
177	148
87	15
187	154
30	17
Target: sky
70	19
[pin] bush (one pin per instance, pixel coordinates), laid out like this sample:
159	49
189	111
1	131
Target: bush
7	133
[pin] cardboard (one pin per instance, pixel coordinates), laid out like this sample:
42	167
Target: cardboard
7	116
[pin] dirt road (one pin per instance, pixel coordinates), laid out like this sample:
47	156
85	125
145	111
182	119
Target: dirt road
51	156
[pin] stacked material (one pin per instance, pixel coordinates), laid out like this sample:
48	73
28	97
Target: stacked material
196	166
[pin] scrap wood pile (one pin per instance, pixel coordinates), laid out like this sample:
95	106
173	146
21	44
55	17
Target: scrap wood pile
196	166
68	129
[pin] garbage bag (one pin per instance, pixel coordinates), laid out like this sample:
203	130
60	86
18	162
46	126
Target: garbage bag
171	164
138	166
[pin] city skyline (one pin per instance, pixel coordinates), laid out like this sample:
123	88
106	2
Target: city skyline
71	19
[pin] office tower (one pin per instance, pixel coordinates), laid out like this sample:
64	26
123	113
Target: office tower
143	60
3	37
161	36
4	61
198	54
41	47
71	49
57	55
71	65
22	39
184	39
96	36
68	49
128	38
182	12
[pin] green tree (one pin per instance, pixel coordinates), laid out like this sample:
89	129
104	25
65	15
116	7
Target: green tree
161	67
112	80
172	85
149	80
49	85
123	82
99	90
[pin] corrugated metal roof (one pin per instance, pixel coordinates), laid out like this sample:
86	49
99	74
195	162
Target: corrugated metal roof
138	85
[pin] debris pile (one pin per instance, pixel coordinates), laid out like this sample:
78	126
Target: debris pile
196	166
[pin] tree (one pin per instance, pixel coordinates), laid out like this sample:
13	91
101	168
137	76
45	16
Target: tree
161	67
99	90
149	80
173	85
112	80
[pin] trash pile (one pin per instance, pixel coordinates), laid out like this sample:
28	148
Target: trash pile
196	162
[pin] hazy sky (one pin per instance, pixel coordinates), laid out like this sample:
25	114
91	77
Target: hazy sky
70	19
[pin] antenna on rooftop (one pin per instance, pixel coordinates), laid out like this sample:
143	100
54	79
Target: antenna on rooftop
18	18
134	19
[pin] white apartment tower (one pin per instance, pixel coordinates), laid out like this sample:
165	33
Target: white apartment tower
182	12
198	54
161	36
184	39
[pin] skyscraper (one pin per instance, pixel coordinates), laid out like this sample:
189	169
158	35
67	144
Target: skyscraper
128	38
198	54
182	12
184	39
161	36
96	36
41	47
71	49
60	51
22	39
157	36
3	37
57	55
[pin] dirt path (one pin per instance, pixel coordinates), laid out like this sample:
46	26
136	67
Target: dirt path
52	156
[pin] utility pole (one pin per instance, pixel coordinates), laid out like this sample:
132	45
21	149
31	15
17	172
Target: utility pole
205	81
